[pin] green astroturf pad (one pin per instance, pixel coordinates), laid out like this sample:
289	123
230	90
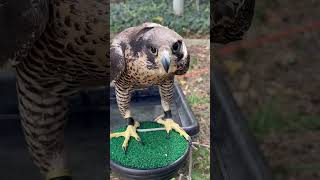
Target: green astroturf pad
157	152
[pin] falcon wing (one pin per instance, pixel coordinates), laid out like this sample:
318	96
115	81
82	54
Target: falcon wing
117	61
231	19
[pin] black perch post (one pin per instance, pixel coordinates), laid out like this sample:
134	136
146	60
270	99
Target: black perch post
236	155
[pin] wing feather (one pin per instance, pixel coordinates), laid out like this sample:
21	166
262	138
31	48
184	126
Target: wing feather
117	61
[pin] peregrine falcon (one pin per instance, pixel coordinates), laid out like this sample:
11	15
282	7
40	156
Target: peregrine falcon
149	54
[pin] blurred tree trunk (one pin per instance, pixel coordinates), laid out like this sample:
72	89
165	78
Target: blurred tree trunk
178	7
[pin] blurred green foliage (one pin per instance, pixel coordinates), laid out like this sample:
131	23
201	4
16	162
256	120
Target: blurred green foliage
136	12
271	118
194	100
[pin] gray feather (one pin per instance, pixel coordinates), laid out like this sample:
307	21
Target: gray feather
117	61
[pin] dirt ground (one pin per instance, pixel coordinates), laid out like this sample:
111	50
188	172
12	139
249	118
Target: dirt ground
198	86
284	73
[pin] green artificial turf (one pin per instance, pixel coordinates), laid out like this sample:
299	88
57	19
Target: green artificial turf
157	152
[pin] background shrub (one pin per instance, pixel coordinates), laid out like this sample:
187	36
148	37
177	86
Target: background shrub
134	12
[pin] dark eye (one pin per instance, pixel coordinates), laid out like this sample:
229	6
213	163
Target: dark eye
154	50
176	46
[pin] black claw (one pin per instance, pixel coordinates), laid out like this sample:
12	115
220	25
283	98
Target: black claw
141	143
168	136
139	140
124	150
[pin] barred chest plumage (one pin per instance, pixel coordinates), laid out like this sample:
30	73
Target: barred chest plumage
141	72
139	75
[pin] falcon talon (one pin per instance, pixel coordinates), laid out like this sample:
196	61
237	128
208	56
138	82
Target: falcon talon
141	143
131	131
124	150
167	136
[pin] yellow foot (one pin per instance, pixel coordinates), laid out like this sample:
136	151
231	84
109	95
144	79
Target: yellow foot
169	124
130	131
58	174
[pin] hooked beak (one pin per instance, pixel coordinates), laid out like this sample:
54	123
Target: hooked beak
165	61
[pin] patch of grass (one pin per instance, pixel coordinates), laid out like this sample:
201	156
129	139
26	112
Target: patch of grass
266	119
135	12
282	172
194	100
201	164
272	118
309	122
305	167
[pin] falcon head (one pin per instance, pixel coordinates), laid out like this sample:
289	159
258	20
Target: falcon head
154	47
162	48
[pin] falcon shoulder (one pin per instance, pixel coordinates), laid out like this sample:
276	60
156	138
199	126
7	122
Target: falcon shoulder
231	19
22	22
117	60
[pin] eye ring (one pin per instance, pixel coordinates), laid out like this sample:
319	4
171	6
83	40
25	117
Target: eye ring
176	46
154	50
